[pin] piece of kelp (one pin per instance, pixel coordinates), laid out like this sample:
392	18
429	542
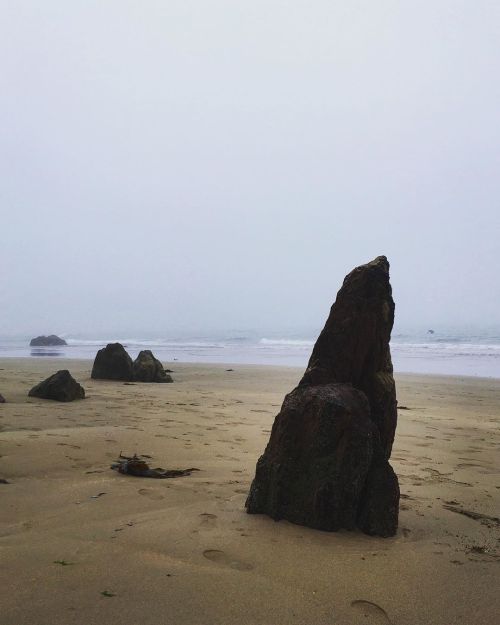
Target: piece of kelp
138	467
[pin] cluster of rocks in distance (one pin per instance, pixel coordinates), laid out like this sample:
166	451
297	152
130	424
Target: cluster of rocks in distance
47	341
326	465
60	386
114	363
111	363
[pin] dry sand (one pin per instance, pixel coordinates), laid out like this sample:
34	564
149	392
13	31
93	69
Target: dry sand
184	552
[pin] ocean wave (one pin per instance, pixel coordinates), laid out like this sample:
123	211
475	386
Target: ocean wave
469	348
441	347
286	342
473	354
132	342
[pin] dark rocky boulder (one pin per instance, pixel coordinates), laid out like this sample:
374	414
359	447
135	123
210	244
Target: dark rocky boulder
326	464
61	387
47	341
353	346
147	368
2	399
112	363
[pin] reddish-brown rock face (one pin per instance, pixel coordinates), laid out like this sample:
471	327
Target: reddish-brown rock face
326	464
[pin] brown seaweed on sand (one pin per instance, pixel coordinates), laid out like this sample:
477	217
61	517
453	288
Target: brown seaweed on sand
136	466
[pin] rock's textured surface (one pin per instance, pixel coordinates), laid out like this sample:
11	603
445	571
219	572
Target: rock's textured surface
326	464
112	363
147	368
61	387
47	341
354	344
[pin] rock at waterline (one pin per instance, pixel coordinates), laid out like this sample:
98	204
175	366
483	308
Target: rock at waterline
326	464
60	386
47	341
112	363
147	368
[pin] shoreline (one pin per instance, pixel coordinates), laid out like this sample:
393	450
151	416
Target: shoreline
450	353
221	365
184	550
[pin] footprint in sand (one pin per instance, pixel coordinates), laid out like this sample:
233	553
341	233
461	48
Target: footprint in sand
149	493
220	557
208	520
371	611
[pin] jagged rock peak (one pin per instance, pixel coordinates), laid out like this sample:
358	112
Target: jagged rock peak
354	347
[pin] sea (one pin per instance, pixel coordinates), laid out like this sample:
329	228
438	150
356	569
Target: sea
457	351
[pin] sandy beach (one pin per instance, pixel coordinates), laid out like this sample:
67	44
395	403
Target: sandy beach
82	544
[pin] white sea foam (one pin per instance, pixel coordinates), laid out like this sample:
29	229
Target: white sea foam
146	343
307	343
458	349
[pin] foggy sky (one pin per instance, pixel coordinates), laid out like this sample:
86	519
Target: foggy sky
220	164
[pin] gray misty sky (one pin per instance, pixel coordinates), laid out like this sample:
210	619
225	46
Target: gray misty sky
213	165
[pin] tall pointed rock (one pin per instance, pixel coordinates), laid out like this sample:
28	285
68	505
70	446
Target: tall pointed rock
326	463
354	344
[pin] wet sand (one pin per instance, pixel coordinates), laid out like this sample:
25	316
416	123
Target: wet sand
81	544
